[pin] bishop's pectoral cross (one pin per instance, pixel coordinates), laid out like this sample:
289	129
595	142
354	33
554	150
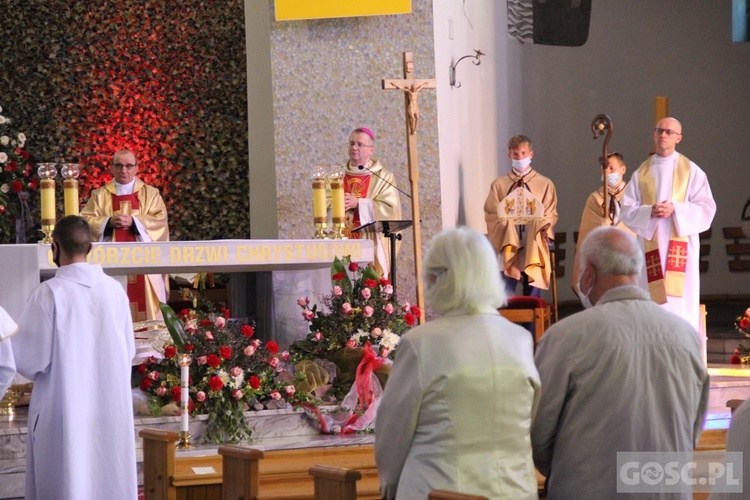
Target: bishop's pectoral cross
411	86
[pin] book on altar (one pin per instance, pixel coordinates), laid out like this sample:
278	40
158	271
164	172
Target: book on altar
520	207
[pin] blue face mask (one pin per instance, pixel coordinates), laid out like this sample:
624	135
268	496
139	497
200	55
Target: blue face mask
585	300
613	179
521	164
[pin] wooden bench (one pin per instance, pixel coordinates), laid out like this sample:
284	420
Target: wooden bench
332	483
280	474
739	248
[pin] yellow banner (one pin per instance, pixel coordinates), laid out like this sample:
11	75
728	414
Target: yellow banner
292	10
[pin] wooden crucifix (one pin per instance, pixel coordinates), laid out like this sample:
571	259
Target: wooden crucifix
411	86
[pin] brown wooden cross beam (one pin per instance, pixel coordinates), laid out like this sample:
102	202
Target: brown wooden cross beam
411	86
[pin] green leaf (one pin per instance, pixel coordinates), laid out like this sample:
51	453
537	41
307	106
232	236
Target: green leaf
174	325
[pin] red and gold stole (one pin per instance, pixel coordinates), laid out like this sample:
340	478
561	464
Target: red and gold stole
128	204
358	185
671	283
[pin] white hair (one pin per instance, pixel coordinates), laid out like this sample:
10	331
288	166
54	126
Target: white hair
612	252
461	274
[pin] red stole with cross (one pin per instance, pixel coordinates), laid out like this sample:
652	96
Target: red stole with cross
127	204
672	282
358	185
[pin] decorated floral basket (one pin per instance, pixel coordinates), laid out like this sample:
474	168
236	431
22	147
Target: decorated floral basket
742	353
357	328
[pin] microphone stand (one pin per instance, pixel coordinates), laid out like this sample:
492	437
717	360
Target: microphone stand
362	167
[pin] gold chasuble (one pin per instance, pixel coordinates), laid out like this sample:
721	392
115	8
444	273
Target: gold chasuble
672	282
146	206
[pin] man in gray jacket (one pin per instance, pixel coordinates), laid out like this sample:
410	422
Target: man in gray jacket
624	375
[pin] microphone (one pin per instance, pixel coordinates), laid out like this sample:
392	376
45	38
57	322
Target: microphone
362	167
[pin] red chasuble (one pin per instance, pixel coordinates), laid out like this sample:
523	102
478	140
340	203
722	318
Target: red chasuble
358	185
127	204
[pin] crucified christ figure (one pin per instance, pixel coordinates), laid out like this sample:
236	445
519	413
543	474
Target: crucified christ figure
412	108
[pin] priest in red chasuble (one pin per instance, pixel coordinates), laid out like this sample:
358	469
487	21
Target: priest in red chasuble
126	209
668	203
370	195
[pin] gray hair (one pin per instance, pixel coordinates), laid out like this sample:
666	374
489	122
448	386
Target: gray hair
612	251
461	274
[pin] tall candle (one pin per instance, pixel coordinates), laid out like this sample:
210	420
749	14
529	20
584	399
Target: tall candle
319	200
184	390
70	192
47	189
337	200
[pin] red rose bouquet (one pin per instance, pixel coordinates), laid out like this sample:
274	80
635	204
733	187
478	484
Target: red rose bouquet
742	353
231	372
361	308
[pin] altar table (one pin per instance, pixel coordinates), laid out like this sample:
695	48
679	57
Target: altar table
23	267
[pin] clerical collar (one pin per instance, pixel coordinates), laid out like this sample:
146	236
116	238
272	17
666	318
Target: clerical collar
121	189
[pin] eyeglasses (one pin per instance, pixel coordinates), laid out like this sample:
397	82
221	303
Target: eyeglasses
670	133
128	166
359	144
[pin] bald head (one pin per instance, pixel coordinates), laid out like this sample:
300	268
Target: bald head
612	251
667	135
609	257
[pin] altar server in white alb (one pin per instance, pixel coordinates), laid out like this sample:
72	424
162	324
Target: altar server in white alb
457	408
8	328
667	204
75	342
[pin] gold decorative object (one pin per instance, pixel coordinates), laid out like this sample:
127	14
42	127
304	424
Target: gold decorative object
8	403
184	434
337	202
47	173
70	172
319	202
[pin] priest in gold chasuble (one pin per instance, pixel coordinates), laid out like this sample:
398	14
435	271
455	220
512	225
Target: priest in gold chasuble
370	195
126	209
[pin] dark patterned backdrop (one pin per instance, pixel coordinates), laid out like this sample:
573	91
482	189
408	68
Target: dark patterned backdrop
166	79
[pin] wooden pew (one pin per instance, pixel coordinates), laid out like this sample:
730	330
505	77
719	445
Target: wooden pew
740	247
281	474
333	483
240	472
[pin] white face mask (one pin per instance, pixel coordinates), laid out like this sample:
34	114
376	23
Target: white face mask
613	179
521	164
585	300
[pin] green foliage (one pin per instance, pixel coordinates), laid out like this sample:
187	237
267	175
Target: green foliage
230	372
360	309
166	79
